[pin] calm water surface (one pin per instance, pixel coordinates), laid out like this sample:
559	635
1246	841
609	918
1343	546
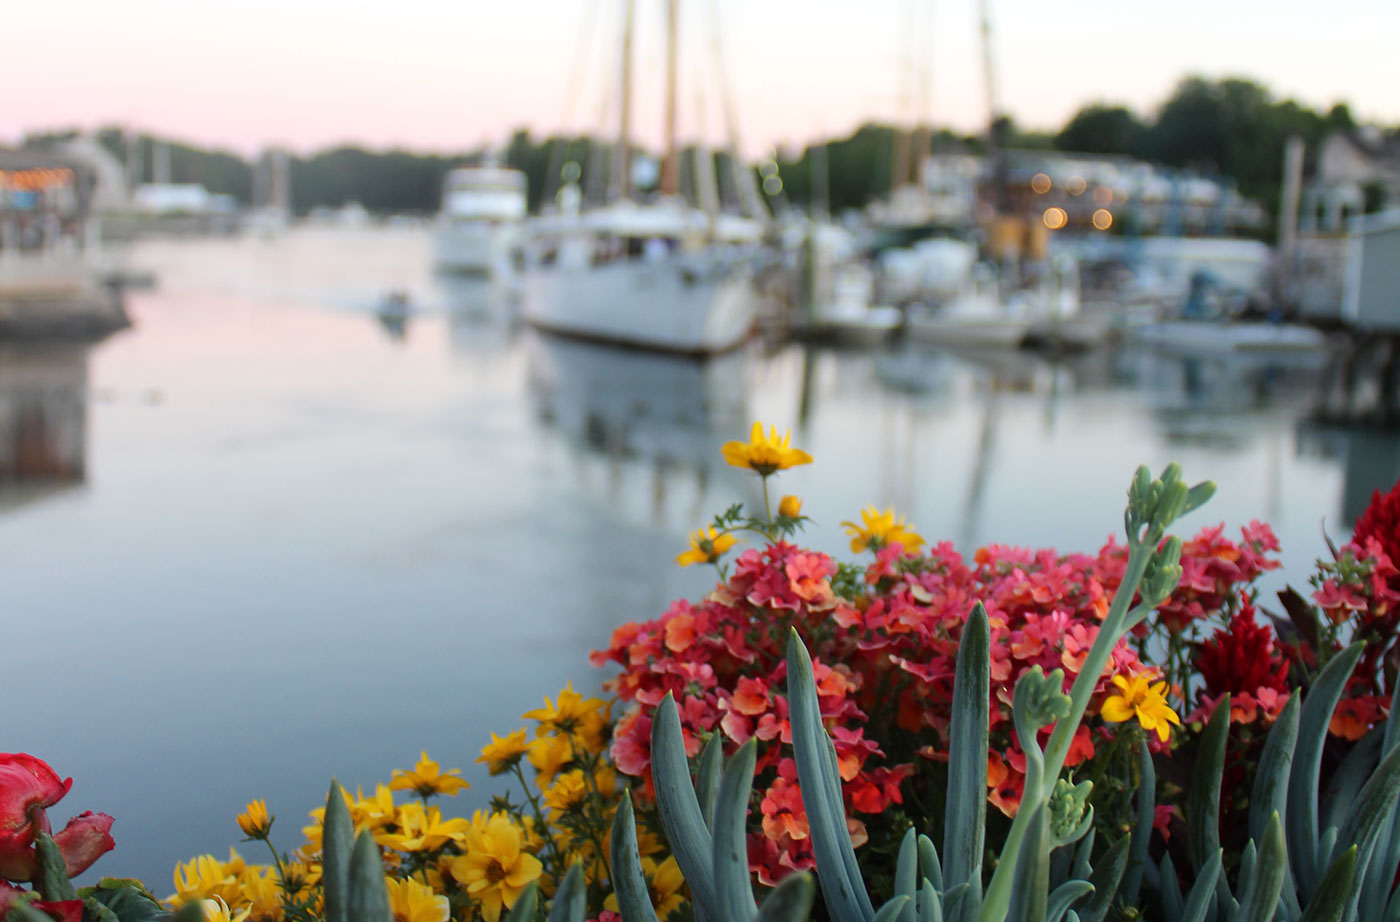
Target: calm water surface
290	542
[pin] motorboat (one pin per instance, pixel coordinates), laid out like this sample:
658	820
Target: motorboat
478	230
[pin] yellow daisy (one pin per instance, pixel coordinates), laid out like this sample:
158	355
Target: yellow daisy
706	547
881	529
501	755
765	454
426	780
1140	698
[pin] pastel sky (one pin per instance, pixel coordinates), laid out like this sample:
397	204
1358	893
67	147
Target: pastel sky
429	74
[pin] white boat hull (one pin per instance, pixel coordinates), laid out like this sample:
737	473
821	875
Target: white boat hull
476	248
670	305
1210	337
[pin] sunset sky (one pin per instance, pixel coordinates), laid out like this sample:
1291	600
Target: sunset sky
432	75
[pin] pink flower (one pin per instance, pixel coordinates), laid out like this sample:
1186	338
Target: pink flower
27	787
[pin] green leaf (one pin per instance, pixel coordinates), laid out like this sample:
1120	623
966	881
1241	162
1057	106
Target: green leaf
930	904
906	873
1329	903
845	895
1385	862
525	904
685	826
1064	896
965	822
1301	821
790	901
630	885
1170	890
1202	896
960	904
1265	881
1084	856
730	859
369	900
52	881
1142	828
1105	878
128	900
1203	798
190	912
707	778
21	911
337	843
929	864
1271	778
571	899
893	908
1347	779
1031	884
1197	497
94	911
1372	809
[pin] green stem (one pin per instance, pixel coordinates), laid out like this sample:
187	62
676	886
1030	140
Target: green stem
277	859
767	509
999	890
545	832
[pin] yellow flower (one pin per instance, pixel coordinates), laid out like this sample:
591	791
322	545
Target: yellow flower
421	830
259	891
790	507
664	880
880	530
206	877
548	754
765	454
254	820
501	755
1147	702
216	910
569	716
706	547
568	791
426	781
410	901
495	868
374	812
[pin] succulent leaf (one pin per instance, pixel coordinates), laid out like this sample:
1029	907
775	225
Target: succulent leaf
1329	903
369	900
1203	799
629	883
525	904
733	887
790	901
1063	897
337	844
1264	881
681	817
571	899
52	880
843	891
707	778
1301	821
964	826
1105	878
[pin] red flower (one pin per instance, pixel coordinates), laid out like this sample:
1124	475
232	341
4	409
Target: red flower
1242	657
28	786
1381	521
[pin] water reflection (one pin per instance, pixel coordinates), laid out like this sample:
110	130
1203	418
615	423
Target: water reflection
664	415
483	314
43	421
1370	460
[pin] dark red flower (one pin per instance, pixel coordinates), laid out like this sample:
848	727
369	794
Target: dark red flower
1242	657
27	787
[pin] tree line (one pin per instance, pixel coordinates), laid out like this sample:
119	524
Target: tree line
1232	129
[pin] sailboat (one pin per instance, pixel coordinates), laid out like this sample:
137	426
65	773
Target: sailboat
655	274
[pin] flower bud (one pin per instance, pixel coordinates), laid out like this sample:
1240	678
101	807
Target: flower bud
790	507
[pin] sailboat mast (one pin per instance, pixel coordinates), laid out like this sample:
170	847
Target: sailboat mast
670	173
622	154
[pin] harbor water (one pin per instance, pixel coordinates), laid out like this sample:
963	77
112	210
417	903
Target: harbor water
267	536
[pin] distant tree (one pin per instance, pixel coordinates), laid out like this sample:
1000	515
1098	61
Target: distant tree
1103	129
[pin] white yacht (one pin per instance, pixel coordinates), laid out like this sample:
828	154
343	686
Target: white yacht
656	274
479	229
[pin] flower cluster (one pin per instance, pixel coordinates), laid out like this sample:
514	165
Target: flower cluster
440	867
28	787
